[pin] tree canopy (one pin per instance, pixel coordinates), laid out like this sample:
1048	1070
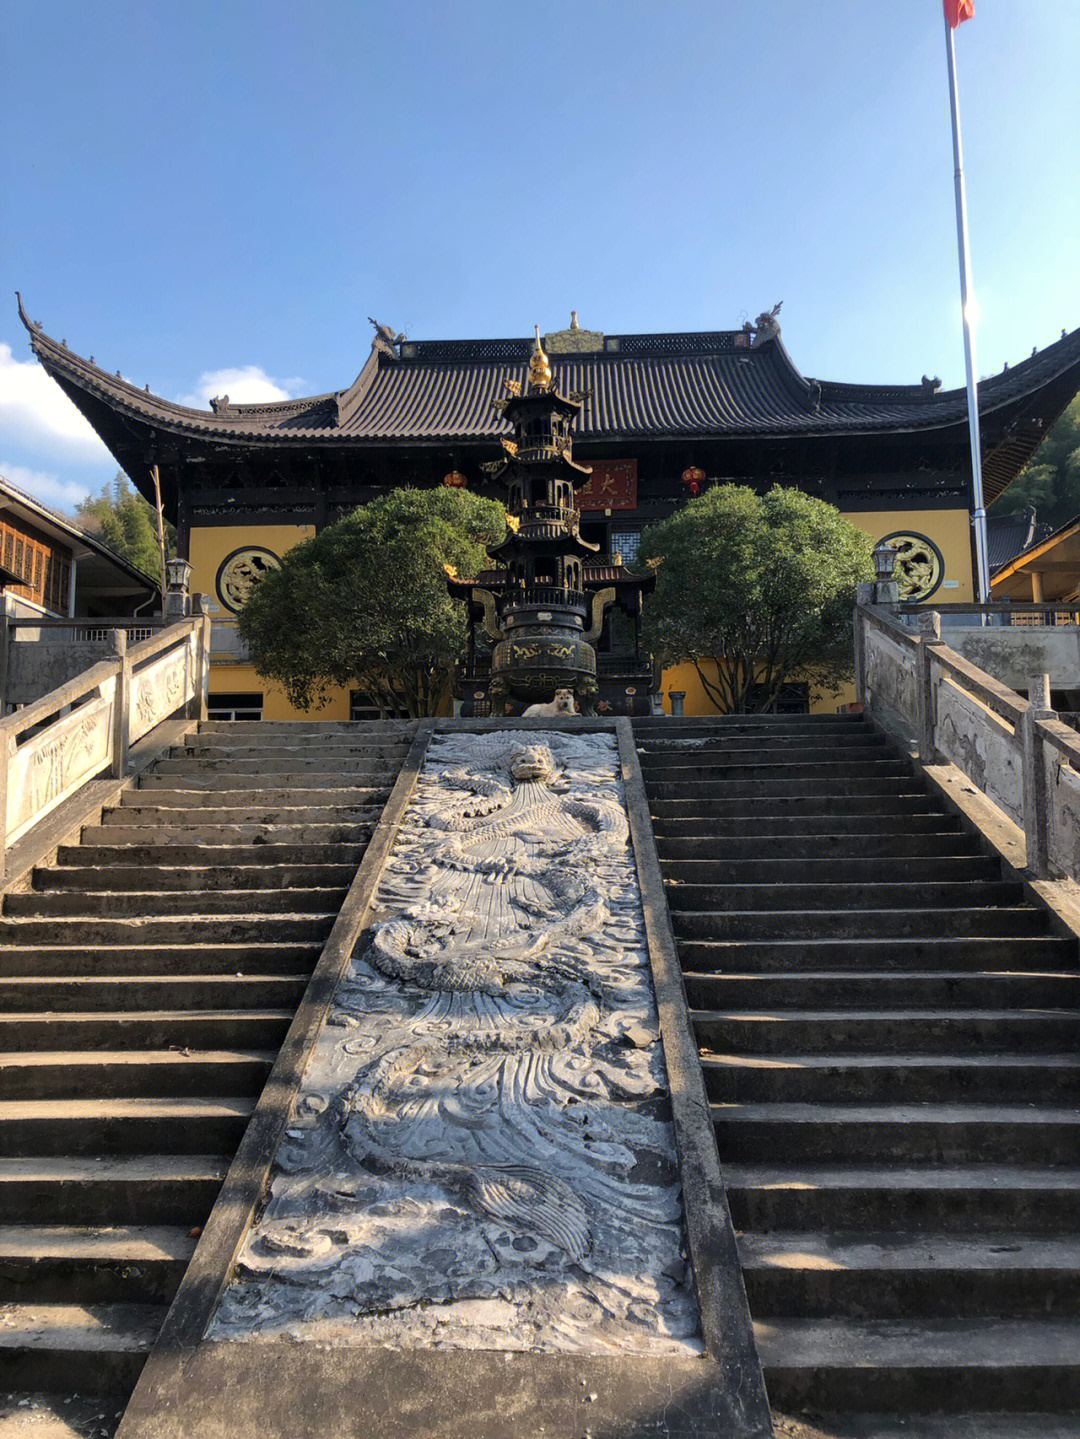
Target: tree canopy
127	524
364	603
1050	481
755	591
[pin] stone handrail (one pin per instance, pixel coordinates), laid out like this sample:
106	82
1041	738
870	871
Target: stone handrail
1014	750
51	748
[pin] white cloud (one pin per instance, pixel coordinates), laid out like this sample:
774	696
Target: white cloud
35	412
49	489
244	385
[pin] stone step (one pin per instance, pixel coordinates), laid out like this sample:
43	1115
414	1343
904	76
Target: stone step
105	1190
65	1264
167	929
209	855
917	989
727	724
892	1078
979	1425
71	961
895	1365
718	847
998	922
767	898
125	1073
62	1127
152	1029
942	1133
837	787
825	742
309	767
259	781
1040	952
884	1198
832	871
228	837
843	1274
774	823
888	1031
210	747
146	903
72	1348
888	810
167	799
135	993
758	765
213	819
131	878
315	729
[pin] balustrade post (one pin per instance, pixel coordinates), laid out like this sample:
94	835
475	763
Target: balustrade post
864	595
200	608
929	633
7	749
121	729
1036	826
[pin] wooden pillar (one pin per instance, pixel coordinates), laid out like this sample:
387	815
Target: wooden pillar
1036	587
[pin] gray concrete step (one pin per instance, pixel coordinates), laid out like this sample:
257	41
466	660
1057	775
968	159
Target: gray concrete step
995	923
852	869
1042	952
133	993
888	1197
127	1074
166	929
232	836
773	822
313	729
85	1349
942	1133
719	847
836	787
150	852
764	898
816	742
958	1364
851	1274
213	819
131	878
758	764
72	961
169	1189
728	724
887	1031
889	809
307	767
212	747
62	903
914	990
168	798
144	1029
63	1127
892	1078
65	1264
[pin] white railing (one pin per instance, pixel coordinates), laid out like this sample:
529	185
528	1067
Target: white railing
1015	751
51	748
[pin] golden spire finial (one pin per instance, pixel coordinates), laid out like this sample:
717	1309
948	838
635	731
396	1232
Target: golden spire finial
539	366
573	320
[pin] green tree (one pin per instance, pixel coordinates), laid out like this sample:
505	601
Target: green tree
365	601
127	524
756	590
1050	481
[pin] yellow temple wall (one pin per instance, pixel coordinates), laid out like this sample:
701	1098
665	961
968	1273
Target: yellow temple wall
209	546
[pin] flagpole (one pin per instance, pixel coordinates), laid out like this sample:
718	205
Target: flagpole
982	561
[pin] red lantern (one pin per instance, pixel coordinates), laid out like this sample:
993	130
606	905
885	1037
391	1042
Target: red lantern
692	477
455	480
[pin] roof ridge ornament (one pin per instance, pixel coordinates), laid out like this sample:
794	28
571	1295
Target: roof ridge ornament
539	367
766	326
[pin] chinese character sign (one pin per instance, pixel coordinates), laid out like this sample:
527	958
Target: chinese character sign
612	486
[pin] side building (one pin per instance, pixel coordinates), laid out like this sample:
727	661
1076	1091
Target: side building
664	416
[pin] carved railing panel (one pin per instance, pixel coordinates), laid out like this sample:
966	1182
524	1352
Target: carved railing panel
160	690
53	764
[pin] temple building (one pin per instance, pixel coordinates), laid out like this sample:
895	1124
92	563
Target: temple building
664	415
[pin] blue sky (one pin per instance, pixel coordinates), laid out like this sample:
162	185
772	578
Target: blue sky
214	197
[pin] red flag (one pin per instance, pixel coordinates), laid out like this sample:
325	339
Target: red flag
957	11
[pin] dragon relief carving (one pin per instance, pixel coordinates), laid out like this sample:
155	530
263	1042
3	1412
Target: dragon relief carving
482	1149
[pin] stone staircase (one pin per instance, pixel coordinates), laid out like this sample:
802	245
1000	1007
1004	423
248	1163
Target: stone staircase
147	979
888	1032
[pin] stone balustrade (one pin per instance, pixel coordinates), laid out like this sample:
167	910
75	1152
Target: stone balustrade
1015	751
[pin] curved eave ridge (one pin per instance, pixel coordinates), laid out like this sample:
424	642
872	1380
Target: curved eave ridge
755	391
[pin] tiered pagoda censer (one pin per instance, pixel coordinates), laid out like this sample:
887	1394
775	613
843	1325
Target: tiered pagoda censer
543	620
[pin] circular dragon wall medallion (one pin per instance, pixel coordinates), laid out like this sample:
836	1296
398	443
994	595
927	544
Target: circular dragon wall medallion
919	565
239	571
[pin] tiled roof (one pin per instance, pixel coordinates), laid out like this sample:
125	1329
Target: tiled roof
639	386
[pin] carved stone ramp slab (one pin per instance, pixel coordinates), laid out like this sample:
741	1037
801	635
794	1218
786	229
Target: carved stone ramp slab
480	1194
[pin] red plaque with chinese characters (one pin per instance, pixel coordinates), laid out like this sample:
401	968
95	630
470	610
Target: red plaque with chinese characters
612	486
